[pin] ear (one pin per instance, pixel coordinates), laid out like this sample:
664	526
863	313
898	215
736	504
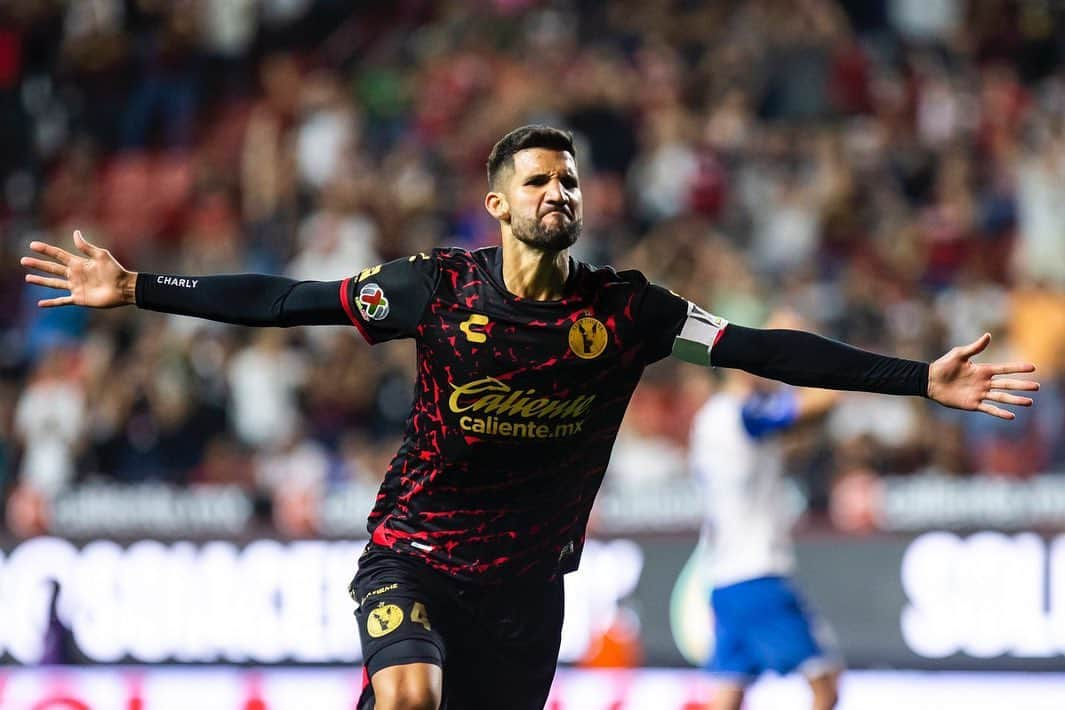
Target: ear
497	206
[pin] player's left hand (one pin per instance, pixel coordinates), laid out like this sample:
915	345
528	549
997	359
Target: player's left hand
954	380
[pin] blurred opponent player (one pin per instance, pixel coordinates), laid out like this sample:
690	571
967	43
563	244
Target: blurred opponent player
527	360
761	622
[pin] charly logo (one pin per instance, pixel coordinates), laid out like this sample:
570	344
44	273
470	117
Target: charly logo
476	320
587	338
384	619
372	302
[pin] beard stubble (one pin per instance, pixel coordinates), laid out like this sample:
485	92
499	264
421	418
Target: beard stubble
534	233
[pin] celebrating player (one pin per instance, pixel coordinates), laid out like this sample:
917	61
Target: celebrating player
527	359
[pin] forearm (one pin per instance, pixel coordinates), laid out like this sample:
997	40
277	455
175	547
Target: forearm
809	360
243	299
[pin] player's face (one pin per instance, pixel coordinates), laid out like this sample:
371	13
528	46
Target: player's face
544	197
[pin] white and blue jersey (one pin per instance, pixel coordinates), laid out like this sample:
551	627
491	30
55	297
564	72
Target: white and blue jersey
760	620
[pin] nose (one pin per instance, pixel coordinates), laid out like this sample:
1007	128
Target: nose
556	194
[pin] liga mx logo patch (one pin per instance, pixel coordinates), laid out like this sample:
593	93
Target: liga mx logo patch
372	302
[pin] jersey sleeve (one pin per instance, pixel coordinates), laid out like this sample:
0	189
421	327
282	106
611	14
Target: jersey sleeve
673	325
386	302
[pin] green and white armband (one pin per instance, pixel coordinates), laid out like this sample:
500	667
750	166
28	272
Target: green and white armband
697	337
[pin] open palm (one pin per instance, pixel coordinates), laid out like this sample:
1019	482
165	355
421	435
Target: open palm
95	279
954	380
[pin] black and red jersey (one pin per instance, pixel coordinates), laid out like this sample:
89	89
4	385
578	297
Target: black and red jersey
518	401
517	405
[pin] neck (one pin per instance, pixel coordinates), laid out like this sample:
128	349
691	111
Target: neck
533	273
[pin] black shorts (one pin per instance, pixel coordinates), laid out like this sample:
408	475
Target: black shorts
497	644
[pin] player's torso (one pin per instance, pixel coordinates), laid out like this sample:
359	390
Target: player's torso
517	405
499	375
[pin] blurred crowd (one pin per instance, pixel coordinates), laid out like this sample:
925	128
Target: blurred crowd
893	170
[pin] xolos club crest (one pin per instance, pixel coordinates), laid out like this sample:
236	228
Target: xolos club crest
587	338
384	619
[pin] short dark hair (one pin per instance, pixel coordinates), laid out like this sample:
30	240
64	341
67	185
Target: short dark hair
533	136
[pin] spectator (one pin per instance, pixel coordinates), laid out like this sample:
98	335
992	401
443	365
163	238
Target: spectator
891	170
50	419
264	378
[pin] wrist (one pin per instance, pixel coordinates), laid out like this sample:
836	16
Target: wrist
128	288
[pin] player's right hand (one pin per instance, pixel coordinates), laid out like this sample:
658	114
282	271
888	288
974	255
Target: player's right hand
96	279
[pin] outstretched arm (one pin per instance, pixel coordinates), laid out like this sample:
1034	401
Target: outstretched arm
97	280
805	359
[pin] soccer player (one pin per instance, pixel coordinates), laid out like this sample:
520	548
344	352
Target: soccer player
760	620
527	359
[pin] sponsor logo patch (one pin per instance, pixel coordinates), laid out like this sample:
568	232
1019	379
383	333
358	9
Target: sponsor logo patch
175	281
380	590
372	302
490	406
383	620
587	338
477	320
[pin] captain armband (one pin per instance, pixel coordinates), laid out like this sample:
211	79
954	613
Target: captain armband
697	337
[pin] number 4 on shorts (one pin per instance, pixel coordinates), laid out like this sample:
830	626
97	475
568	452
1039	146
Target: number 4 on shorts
418	615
